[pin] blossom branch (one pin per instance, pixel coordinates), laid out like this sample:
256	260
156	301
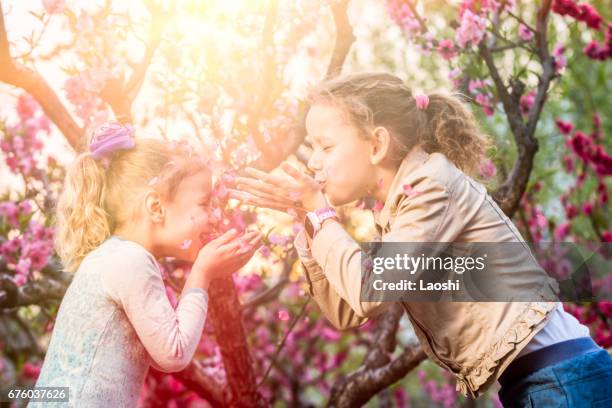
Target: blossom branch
18	75
508	195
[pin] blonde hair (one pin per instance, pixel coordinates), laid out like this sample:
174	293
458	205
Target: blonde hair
381	99
95	200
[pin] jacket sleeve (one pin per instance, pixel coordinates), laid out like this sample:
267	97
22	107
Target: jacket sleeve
169	335
333	307
334	268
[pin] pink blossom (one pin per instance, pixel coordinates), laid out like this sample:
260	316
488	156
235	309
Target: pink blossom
560	60
527	101
478	6
277	239
561	231
525	33
566	7
31	370
606	236
401	397
601	160
568	163
587	208
596	51
540	219
20	279
11	211
570	211
403	17
54	6
564	127
247	283
282	315
475	84
455	76
23	266
589	15
25	207
487	169
484	100
446	48
471	29
38	252
330	334
12	245
26	106
265	251
18	143
581	145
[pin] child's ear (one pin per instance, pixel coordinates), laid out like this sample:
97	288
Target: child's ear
154	207
381	143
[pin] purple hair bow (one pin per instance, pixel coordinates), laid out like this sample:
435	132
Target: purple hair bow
110	138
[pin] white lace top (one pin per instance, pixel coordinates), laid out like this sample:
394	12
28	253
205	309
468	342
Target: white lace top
114	321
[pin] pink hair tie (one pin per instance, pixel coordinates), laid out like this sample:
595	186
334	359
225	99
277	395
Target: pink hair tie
422	100
108	139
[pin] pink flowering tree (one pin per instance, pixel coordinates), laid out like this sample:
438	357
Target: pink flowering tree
229	78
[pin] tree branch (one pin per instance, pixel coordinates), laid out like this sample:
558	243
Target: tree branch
206	386
509	193
120	95
225	313
378	370
295	137
18	75
268	56
344	38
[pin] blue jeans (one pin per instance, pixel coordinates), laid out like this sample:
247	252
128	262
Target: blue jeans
582	381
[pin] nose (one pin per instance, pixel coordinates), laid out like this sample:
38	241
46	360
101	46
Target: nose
314	164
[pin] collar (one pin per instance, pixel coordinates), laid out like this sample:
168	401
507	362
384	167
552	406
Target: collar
415	158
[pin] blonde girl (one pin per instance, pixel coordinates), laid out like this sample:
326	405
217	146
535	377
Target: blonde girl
125	204
416	154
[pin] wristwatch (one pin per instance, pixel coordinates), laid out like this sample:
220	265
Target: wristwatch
314	220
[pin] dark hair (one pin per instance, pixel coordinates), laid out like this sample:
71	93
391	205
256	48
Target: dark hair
380	99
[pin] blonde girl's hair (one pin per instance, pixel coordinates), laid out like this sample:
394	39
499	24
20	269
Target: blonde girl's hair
95	200
374	99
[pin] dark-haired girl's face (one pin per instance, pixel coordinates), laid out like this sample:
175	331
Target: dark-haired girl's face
341	156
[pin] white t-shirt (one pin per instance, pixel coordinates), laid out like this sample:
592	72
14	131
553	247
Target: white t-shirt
561	326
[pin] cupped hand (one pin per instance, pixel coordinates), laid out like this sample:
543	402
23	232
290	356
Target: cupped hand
225	254
293	190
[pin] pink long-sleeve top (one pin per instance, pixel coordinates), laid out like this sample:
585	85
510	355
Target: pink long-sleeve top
116	320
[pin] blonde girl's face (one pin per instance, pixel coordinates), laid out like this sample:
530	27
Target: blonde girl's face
341	157
189	223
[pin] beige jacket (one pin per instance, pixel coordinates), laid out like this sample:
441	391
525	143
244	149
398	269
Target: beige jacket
474	340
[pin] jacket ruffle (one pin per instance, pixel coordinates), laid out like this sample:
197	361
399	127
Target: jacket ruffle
470	383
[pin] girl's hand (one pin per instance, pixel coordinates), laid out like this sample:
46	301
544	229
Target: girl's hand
224	255
295	190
